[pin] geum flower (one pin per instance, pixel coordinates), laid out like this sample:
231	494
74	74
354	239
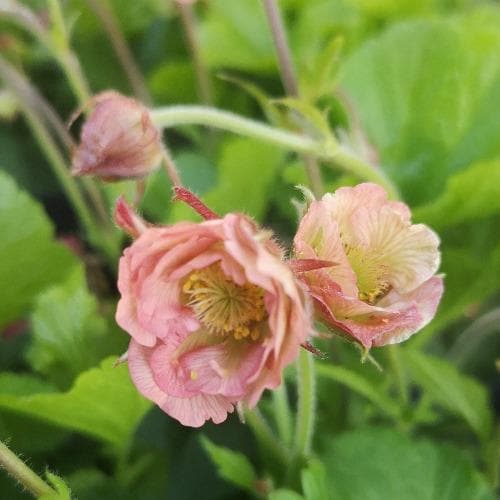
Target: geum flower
213	312
382	288
118	140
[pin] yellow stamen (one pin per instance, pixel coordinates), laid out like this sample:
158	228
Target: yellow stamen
371	274
224	307
193	374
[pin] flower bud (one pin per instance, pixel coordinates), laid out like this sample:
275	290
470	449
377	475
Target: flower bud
118	140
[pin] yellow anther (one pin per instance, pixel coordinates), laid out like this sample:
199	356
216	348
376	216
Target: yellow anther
222	306
193	374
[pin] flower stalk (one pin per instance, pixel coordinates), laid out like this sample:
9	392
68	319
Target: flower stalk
22	473
203	80
306	411
282	414
97	236
104	12
268	442
290	83
334	155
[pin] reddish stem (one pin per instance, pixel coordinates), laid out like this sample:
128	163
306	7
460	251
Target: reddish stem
183	194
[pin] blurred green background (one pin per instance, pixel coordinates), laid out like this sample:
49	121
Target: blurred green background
414	86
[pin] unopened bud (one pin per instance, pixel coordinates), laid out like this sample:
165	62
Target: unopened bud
118	140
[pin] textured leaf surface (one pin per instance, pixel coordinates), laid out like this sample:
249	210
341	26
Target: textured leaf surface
380	464
449	388
30	259
428	95
473	193
102	403
232	466
69	335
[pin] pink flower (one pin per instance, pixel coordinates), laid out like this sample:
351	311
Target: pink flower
382	288
213	312
118	140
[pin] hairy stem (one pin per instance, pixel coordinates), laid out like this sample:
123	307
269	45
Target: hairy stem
31	98
105	13
270	445
333	155
285	63
289	79
306	411
399	375
99	238
282	414
59	45
67	60
203	80
22	473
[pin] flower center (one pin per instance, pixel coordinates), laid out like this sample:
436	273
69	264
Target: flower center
224	307
370	273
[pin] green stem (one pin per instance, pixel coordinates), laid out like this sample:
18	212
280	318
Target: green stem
105	13
203	79
399	375
306	406
226	120
62	52
290	83
56	161
282	414
59	45
268	442
22	473
334	154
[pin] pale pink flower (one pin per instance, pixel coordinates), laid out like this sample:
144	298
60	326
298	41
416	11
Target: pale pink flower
382	288
213	312
118	140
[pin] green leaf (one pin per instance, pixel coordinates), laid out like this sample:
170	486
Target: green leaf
283	494
269	108
235	35
231	465
314	483
173	82
471	276
428	95
69	335
452	390
62	490
247	171
102	403
361	385
471	194
310	119
29	258
380	464
28	435
196	171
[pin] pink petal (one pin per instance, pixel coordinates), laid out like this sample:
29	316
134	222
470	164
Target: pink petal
190	411
318	237
407	253
426	298
223	368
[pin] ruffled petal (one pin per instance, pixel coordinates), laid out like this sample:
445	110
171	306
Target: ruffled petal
190	411
406	255
425	298
318	237
223	368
